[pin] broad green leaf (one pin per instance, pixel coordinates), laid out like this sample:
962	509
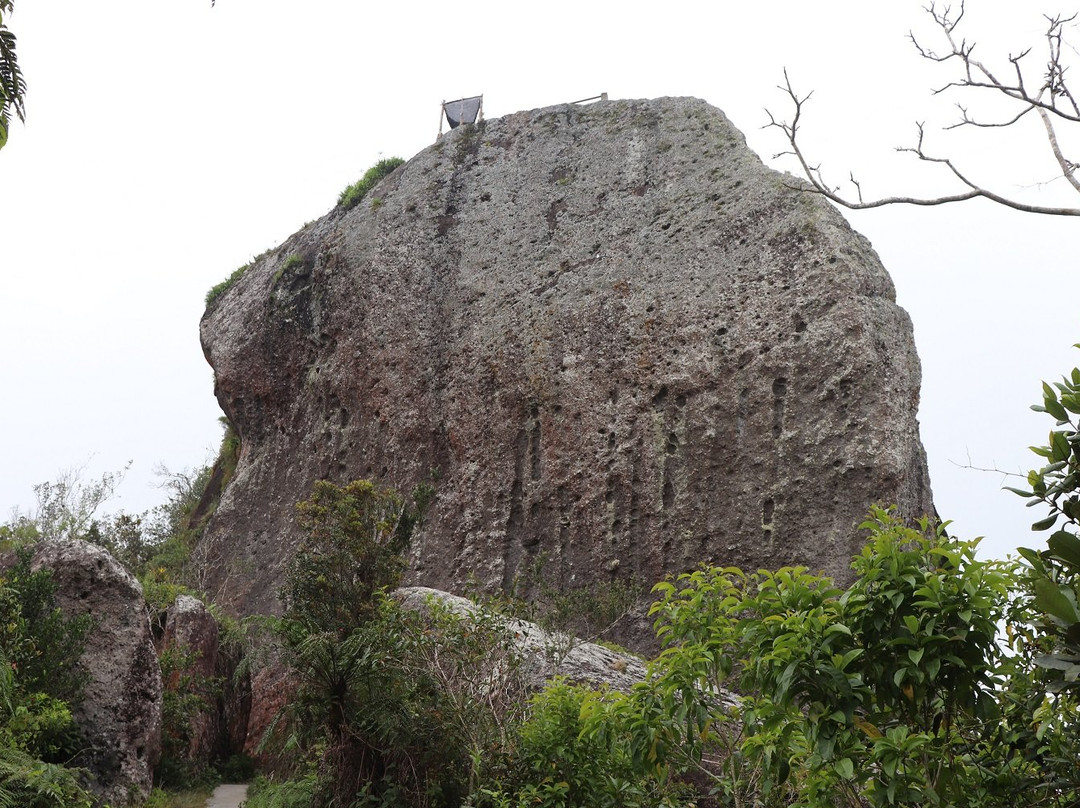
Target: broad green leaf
1055	662
1045	524
1064	546
932	668
1059	444
785	771
1018	491
1050	598
845	768
1055	409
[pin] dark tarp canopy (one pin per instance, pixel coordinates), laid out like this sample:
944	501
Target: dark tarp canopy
464	110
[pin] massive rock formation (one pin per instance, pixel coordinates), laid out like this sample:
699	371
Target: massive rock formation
623	344
120	714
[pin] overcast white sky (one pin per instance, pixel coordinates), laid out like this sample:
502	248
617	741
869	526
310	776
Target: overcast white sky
168	142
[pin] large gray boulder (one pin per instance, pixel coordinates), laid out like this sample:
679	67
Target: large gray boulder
544	654
121	709
624	345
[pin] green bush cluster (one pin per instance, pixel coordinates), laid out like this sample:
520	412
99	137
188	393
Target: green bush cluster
156	547
1054	577
354	193
884	694
40	681
219	289
559	756
364	713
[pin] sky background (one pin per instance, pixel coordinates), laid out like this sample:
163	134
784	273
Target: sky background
167	143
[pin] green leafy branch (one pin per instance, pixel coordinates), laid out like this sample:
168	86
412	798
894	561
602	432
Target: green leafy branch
1055	572
12	83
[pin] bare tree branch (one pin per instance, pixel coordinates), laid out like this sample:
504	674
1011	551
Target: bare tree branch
1054	102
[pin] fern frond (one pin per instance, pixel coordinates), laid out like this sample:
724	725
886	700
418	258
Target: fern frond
30	783
12	83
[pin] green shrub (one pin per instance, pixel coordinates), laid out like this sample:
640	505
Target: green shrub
41	644
894	692
39	679
185	694
237	769
562	758
298	793
369	721
221	288
352	195
1054	574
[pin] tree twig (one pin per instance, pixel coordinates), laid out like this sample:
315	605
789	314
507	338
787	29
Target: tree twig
1054	102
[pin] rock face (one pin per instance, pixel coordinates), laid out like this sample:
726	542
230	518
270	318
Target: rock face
121	708
546	655
624	345
206	664
192	633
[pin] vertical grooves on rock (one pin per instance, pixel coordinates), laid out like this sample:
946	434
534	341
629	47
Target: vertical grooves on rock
535	437
779	390
515	523
741	410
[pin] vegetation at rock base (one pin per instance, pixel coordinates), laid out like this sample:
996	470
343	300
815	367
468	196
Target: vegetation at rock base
580	613
41	649
354	194
40	681
894	692
898	691
368	719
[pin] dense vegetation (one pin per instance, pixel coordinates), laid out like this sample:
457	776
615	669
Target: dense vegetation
40	679
892	692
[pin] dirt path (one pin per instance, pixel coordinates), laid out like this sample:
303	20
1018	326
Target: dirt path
227	796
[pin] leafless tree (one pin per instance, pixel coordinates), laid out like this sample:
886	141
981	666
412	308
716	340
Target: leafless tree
1044	92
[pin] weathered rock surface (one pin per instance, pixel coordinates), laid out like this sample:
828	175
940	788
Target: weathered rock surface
272	686
625	345
121	709
546	655
191	632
